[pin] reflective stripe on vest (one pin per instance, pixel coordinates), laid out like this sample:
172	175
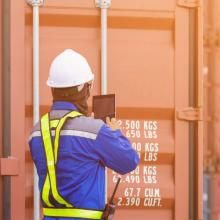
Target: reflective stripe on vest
72	213
54	123
46	186
50	181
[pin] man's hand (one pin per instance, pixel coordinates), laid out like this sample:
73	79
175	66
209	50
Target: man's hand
113	124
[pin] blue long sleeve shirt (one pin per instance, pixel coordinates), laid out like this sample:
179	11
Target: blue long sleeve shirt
86	147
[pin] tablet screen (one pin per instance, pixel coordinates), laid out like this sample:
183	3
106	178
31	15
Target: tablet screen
104	106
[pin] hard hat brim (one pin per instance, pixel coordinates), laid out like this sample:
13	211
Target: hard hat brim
71	84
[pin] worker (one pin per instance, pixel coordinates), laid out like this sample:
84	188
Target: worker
71	149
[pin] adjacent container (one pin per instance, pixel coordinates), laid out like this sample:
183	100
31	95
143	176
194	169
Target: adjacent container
212	103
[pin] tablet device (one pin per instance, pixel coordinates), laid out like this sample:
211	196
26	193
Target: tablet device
103	106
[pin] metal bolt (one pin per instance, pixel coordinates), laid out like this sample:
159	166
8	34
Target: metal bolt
35	2
103	3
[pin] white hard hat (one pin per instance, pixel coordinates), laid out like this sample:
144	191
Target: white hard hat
69	69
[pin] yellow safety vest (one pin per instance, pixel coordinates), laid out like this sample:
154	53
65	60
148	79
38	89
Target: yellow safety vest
51	152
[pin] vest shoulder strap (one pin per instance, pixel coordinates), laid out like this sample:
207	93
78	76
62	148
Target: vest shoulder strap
51	152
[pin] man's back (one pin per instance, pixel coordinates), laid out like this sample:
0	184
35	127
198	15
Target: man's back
86	146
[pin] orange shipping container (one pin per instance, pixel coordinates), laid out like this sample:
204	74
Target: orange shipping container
154	67
211	88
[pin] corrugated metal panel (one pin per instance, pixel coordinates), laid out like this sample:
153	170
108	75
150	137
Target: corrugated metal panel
149	72
17	70
212	88
199	104
1	205
14	112
212	53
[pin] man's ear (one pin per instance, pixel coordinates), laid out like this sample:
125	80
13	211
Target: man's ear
80	87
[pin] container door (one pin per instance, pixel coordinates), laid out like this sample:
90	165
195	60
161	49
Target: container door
149	47
149	70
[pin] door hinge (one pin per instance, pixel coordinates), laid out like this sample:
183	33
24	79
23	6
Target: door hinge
103	3
9	166
35	2
190	114
190	3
